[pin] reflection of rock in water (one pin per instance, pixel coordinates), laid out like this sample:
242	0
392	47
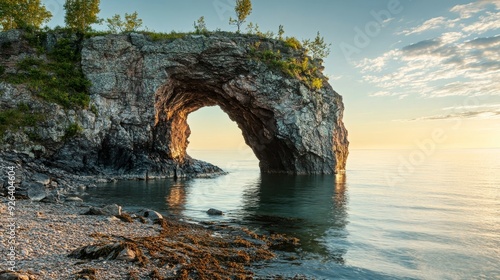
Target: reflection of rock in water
311	208
176	199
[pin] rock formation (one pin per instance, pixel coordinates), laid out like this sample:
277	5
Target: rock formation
143	90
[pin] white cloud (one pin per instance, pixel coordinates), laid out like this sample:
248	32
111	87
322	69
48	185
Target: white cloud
470	107
431	24
478	114
490	21
468	10
452	64
378	63
443	66
381	93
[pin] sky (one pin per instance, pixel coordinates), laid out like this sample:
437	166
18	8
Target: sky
408	70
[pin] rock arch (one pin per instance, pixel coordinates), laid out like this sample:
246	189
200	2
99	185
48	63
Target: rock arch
144	91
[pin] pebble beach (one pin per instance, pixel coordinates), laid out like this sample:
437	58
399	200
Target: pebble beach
47	233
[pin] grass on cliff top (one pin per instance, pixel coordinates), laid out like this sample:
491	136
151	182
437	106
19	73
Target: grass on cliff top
300	68
59	78
17	118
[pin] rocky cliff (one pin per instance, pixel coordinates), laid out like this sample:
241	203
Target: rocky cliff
141	91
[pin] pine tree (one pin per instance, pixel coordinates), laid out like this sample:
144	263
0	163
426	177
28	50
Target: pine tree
243	8
318	48
200	26
22	14
80	14
281	31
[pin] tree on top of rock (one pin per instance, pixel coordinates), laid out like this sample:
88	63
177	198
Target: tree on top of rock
80	14
243	8
132	23
318	48
22	14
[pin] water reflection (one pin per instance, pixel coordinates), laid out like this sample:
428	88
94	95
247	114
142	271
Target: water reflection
176	198
311	208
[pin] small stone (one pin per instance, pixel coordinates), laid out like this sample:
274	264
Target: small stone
36	191
113	210
94	211
113	219
214	212
153	215
53	197
41	178
126	254
74	198
53	184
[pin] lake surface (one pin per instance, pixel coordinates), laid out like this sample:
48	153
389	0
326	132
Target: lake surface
396	214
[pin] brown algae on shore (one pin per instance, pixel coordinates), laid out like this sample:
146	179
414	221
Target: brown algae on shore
191	251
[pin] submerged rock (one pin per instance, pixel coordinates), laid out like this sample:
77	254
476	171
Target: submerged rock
214	212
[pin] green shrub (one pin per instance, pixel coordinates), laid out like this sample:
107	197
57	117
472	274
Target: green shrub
293	43
59	79
300	68
2	70
94	110
72	130
6	45
35	38
17	118
317	83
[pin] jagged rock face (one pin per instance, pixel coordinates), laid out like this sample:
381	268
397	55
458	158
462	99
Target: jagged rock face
145	90
142	94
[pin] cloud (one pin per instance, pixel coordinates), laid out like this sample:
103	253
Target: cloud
459	62
437	68
421	47
378	63
470	107
490	21
485	41
480	114
431	24
468	10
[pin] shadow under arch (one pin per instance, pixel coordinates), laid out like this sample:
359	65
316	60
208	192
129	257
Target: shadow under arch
312	208
183	95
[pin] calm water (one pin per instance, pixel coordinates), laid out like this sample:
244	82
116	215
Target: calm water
394	215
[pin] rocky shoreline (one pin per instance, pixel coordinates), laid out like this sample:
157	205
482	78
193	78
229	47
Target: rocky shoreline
39	180
57	241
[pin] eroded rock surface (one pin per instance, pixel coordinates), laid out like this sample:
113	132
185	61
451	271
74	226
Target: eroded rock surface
143	91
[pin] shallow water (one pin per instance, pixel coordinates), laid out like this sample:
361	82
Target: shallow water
396	214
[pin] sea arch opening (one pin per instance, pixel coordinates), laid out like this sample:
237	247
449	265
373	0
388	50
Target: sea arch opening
215	138
176	99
